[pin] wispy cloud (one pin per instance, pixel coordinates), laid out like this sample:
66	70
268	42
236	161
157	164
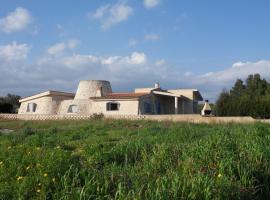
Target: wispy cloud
16	21
56	48
110	15
59	48
132	42
150	3
14	52
152	37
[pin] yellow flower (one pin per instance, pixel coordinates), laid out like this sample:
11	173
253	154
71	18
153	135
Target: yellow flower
53	179
219	175
27	168
39	184
29	153
45	174
1	162
38	190
19	178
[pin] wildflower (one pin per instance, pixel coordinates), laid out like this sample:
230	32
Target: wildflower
1	162
219	175
53	179
19	178
39	184
29	153
38	190
45	174
27	168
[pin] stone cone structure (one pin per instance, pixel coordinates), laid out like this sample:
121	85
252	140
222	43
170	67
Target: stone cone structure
86	90
92	88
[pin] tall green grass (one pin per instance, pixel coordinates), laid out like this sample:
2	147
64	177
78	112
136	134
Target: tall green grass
116	159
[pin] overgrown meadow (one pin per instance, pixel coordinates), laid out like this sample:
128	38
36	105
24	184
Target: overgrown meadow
116	159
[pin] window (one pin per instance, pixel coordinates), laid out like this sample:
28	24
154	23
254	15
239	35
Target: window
73	109
31	107
112	106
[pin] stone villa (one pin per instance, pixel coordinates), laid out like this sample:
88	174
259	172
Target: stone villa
96	96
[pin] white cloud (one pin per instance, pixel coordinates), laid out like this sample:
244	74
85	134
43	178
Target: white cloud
213	82
150	3
14	52
110	15
138	58
152	37
15	21
78	61
238	70
124	71
57	48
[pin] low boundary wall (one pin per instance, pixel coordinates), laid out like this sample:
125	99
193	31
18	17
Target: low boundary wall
176	118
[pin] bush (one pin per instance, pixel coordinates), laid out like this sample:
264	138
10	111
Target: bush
97	116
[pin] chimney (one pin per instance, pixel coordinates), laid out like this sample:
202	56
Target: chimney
157	85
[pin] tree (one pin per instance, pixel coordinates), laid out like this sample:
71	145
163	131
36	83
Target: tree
249	99
222	106
238	88
9	103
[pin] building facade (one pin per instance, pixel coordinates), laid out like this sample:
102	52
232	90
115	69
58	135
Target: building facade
96	96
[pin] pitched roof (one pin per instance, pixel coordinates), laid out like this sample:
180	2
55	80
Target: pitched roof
121	96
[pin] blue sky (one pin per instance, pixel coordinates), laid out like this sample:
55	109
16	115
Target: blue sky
132	43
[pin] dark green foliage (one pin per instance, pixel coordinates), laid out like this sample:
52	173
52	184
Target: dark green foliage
251	98
9	103
6	107
117	159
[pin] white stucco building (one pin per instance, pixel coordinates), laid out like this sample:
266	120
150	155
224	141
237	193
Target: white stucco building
96	96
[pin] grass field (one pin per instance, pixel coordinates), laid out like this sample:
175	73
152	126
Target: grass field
116	159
